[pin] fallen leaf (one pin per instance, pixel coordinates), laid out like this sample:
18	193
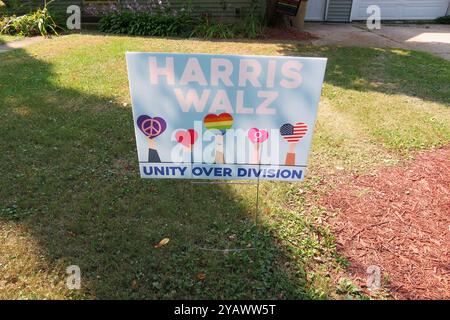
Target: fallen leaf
134	284
163	242
201	276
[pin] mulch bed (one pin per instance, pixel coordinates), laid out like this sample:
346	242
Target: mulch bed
398	218
287	34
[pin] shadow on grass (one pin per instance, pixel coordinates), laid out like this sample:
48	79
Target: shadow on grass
69	176
384	70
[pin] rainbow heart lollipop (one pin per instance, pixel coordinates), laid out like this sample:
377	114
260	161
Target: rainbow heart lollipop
219	122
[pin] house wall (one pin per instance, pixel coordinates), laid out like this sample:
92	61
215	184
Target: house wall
402	9
25	6
226	9
315	10
390	9
339	10
329	10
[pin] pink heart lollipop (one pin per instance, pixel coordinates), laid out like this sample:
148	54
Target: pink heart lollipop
257	136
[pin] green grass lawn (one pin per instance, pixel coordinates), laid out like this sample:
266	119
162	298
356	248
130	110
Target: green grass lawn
7	38
70	192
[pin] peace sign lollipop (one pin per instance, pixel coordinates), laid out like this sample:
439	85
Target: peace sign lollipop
220	123
292	134
257	136
152	128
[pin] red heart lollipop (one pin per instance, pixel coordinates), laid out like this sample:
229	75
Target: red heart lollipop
186	138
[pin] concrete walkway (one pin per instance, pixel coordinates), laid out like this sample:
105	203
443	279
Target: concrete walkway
20	43
432	38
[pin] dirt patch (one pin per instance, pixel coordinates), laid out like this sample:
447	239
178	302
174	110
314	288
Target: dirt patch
398	218
287	34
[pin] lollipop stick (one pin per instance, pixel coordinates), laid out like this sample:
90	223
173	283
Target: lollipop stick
151	144
188	154
153	155
256	153
219	149
290	156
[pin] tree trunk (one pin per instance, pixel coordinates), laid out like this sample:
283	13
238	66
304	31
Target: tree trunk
299	19
271	14
275	19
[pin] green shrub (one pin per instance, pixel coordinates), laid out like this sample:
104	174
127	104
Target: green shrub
18	7
443	20
39	22
253	25
3	21
212	29
146	24
166	24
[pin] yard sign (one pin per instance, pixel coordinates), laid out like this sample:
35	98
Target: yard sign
199	116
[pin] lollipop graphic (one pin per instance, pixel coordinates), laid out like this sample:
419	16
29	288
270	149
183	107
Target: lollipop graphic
219	123
187	139
257	136
292	134
152	128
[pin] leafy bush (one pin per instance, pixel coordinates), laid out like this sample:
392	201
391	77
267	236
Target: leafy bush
39	22
2	7
443	20
253	21
212	29
18	7
145	24
167	24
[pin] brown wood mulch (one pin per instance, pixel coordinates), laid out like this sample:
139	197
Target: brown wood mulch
398	218
287	34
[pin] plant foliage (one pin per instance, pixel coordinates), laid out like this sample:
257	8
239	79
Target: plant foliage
167	24
39	22
161	24
443	20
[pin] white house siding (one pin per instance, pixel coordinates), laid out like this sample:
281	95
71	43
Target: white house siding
401	9
315	11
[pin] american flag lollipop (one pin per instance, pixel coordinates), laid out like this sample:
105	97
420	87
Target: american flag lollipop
292	134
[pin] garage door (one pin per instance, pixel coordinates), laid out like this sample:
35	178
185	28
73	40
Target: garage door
315	10
329	10
402	9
